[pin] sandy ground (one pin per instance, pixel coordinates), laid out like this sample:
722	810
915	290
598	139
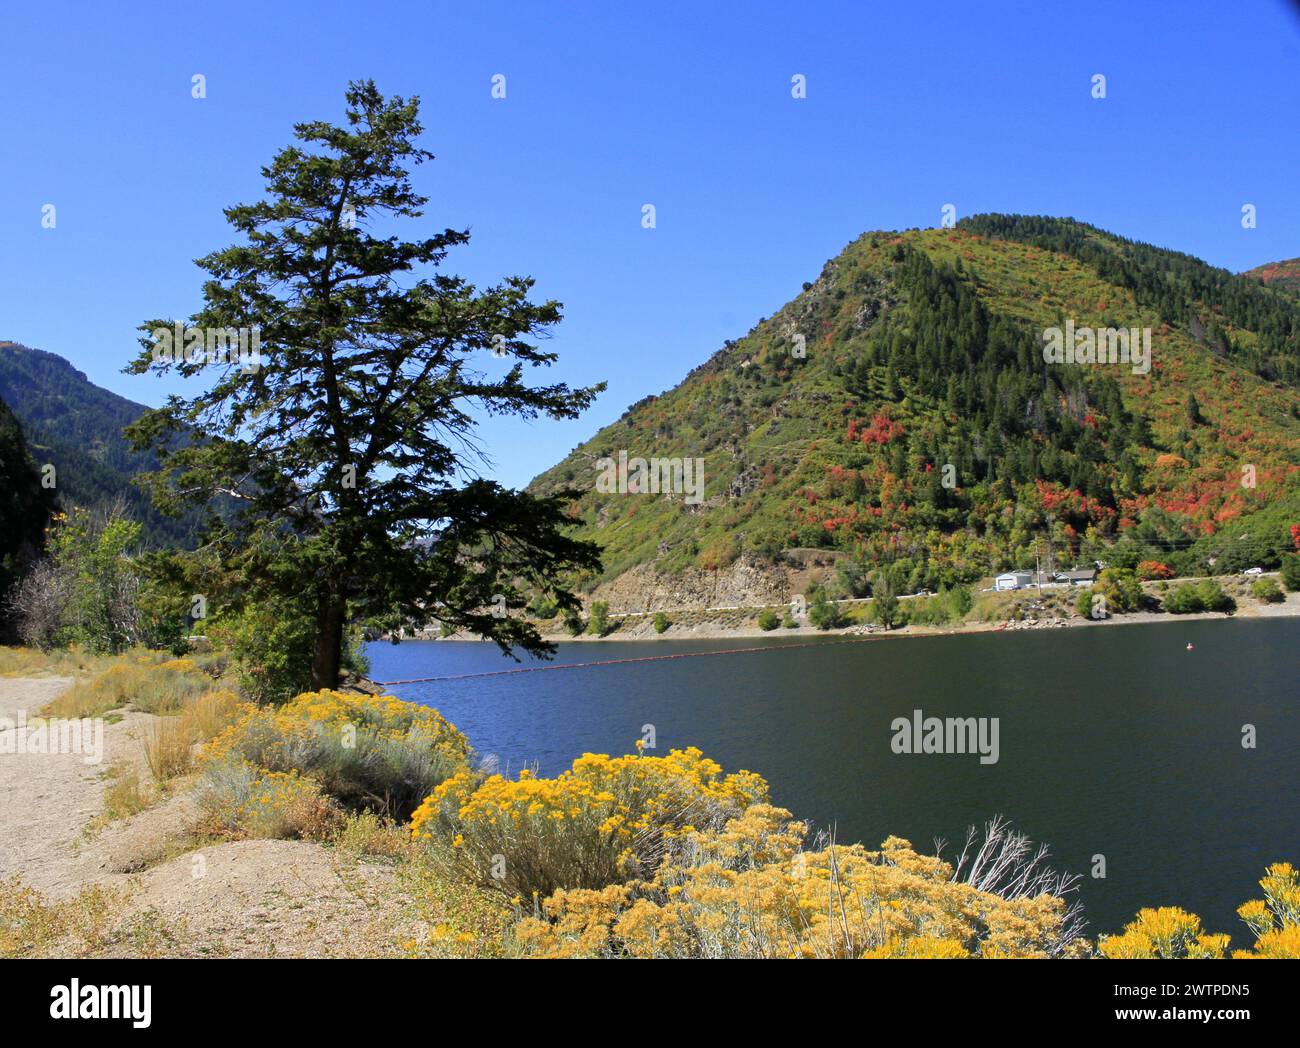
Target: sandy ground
257	898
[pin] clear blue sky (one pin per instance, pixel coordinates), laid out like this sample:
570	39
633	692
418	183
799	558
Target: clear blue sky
610	106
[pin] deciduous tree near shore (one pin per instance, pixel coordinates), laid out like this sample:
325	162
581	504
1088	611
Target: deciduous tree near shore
350	451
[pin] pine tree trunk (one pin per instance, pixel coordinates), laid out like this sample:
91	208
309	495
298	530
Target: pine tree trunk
330	621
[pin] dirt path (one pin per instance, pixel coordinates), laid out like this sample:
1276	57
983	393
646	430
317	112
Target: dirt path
257	898
48	799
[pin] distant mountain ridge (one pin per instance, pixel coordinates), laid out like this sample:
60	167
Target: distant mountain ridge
900	411
77	426
1284	275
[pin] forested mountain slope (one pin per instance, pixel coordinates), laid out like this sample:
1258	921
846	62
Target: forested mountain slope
77	426
900	409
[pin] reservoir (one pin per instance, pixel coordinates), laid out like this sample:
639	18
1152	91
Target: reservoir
1113	741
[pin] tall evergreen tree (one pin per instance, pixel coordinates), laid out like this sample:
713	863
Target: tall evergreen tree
351	449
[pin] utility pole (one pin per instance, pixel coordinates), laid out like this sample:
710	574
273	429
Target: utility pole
1051	554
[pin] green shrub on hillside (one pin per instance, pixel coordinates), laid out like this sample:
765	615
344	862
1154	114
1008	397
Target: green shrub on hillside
768	619
946	606
661	622
1190	598
1212	596
1267	591
884	607
825	614
1183	600
1121	588
599	624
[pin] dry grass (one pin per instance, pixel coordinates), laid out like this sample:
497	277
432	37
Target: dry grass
148	682
169	747
369	835
86	925
29	662
209	713
125	795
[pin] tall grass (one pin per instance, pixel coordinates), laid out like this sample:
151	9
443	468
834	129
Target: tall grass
209	713
168	747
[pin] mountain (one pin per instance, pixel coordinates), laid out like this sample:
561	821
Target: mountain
1283	275
901	411
77	426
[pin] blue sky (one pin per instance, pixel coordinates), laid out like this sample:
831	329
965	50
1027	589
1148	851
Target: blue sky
611	106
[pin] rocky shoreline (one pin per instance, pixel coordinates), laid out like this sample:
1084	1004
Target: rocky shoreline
713	629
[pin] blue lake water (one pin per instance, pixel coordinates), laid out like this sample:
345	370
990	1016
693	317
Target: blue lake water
1113	740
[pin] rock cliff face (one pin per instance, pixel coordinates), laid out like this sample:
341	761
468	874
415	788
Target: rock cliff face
747	581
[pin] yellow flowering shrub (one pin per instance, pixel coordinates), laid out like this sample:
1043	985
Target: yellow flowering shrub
749	891
372	752
606	819
237	799
1168	933
1173	934
1275	919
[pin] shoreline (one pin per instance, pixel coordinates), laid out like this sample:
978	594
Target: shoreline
644	631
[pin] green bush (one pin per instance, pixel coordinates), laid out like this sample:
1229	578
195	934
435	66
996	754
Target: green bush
661	622
884	607
948	605
271	645
789	622
825	614
1190	598
1212	596
1267	592
599	624
1121	588
1183	600
1291	572
543	610
768	619
1083	604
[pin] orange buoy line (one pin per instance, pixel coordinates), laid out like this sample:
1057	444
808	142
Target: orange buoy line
615	662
